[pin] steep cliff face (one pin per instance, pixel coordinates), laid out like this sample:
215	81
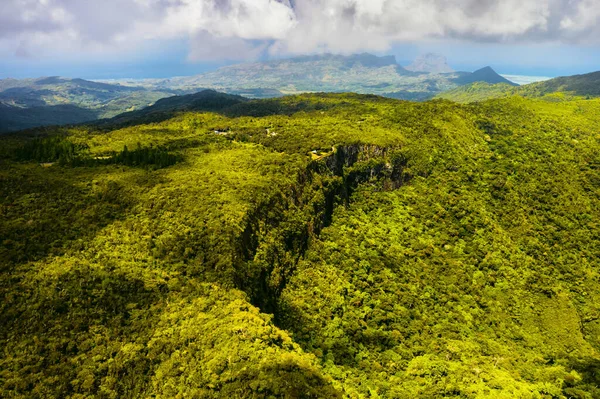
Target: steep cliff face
430	63
279	231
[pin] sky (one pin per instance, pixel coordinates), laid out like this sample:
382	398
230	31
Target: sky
102	39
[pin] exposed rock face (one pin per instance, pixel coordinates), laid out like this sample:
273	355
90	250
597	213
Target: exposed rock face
431	63
278	231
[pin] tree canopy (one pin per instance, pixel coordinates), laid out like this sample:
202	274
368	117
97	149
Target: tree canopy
317	246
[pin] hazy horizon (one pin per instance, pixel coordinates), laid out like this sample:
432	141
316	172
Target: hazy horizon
164	38
157	68
191	70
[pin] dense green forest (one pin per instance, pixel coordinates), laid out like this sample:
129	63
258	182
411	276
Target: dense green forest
558	89
313	246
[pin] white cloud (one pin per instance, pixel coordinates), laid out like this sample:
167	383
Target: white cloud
230	29
207	47
584	23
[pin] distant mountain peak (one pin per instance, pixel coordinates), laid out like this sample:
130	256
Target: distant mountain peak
486	74
487	69
49	80
364	59
430	63
371	60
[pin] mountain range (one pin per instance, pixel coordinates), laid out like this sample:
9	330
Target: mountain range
54	100
29	103
432	63
361	73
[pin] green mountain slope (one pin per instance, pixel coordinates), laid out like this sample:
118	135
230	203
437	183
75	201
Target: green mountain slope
310	246
479	91
587	85
69	101
16	118
206	100
577	85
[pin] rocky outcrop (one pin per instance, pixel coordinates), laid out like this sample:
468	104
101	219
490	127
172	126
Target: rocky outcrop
278	232
430	63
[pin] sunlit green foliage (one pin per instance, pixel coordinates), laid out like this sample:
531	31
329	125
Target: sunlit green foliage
478	91
309	246
558	89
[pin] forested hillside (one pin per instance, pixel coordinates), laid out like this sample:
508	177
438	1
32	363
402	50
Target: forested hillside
205	100
567	87
313	246
29	103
